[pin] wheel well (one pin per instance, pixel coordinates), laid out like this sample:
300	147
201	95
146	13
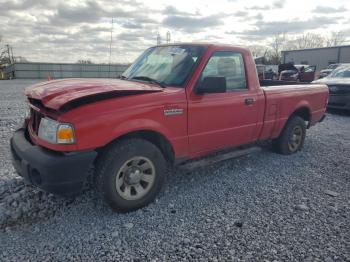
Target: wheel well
304	113
155	138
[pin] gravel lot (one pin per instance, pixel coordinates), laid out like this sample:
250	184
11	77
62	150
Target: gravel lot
260	207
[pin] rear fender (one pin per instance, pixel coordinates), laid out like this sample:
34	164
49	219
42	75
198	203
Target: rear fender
301	105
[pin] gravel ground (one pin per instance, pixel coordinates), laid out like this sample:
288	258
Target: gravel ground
260	207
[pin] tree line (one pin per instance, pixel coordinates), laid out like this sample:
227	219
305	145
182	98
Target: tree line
272	52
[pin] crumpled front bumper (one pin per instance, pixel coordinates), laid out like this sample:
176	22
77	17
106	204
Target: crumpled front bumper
55	172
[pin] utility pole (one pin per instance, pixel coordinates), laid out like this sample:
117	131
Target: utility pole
168	37
13	60
8	53
159	40
110	50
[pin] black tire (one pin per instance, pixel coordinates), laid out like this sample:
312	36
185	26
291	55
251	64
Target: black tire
114	158
283	143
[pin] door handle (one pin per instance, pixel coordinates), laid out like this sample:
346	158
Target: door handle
249	101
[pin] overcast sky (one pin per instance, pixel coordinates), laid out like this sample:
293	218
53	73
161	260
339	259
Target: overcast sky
66	31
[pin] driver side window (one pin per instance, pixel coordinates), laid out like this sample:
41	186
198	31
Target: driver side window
229	65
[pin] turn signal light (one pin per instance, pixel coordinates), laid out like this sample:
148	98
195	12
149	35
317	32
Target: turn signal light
65	134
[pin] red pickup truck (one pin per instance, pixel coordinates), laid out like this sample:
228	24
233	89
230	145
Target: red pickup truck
176	102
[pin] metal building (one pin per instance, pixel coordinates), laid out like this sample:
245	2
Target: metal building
63	70
319	57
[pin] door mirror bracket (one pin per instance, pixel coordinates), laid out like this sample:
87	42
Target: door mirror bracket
211	84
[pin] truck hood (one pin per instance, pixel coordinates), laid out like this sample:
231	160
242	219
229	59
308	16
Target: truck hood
61	93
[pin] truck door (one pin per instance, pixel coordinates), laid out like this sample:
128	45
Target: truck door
308	75
220	120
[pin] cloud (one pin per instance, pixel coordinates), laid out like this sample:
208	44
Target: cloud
294	26
258	17
241	14
131	25
259	8
345	32
328	9
89	12
26	4
191	24
171	10
94	11
279	3
264	30
65	31
138	36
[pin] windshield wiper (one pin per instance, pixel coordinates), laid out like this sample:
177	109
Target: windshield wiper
150	80
122	77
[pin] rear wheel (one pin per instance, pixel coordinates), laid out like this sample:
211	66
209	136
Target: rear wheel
292	137
130	174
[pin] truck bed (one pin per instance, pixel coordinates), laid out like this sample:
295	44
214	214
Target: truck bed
281	100
269	82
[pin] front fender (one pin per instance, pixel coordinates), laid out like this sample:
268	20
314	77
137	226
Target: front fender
138	125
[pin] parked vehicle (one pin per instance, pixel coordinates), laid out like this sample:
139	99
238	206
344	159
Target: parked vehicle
270	74
300	73
261	71
329	69
3	74
176	102
338	82
264	73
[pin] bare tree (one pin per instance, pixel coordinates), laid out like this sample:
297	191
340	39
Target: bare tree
282	42
5	56
258	50
86	62
277	44
308	40
335	39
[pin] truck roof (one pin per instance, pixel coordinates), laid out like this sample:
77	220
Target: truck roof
204	44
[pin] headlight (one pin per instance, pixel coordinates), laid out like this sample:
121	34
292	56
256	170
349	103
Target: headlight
295	75
55	132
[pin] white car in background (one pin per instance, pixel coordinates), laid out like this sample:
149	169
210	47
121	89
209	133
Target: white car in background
329	69
338	82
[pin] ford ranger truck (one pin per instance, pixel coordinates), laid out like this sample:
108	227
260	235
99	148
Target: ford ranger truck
176	102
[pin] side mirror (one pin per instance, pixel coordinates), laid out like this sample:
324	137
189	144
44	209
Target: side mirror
212	84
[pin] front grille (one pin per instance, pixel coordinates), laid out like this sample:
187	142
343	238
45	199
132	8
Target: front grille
36	102
339	89
35	118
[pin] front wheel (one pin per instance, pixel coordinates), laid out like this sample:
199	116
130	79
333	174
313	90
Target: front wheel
292	137
130	174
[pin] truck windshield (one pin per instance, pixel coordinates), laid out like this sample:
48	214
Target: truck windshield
167	65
